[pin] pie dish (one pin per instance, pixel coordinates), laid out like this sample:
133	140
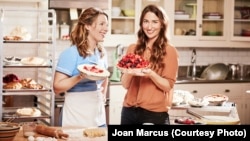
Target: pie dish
97	72
216	99
32	61
28	112
131	70
133	64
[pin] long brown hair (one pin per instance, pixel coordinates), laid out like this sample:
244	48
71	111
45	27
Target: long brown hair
159	46
79	34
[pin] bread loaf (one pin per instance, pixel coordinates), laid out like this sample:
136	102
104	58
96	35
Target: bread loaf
51	131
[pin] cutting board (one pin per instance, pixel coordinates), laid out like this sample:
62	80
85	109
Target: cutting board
216	115
209	115
220	120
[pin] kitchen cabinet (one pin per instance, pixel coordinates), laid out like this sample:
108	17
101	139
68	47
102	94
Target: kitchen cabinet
116	95
240	20
199	19
123	28
41	26
206	23
235	91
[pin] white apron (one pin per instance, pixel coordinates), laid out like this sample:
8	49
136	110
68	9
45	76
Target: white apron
84	109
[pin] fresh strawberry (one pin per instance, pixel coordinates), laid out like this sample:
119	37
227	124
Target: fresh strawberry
133	61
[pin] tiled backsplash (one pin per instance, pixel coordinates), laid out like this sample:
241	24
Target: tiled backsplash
204	56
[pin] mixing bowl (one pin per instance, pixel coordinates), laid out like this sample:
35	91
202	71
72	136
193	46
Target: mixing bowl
217	71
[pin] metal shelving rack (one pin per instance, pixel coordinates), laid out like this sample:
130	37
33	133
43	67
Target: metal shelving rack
41	24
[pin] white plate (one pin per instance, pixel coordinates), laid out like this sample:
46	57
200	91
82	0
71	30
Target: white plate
93	75
11	61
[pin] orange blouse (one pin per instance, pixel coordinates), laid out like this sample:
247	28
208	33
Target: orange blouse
145	94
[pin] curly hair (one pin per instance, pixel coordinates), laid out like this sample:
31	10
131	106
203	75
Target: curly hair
159	46
79	34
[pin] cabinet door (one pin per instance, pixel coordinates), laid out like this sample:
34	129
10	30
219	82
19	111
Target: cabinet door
125	24
199	19
199	23
116	95
123	17
246	104
115	109
240	20
198	90
240	105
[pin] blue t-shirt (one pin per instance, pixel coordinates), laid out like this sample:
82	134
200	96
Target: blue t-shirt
68	61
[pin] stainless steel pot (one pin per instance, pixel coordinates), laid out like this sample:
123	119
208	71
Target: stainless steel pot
216	71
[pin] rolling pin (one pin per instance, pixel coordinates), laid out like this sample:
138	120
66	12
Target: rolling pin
51	132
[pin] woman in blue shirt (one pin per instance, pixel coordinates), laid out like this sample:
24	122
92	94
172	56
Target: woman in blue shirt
84	98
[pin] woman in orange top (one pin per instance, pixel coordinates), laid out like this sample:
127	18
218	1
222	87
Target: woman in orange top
149	94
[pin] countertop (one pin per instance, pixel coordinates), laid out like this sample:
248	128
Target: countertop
190	81
174	113
75	134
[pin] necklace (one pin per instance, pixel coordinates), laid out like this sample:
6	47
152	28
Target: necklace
147	53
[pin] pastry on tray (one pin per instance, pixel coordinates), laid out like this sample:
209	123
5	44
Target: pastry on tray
28	112
94	132
13	85
26	83
33	61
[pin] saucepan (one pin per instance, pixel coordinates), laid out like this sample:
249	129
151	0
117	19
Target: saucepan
217	71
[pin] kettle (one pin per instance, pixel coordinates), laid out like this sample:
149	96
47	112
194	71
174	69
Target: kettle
116	75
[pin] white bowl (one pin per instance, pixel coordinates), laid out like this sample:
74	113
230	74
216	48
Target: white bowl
198	102
116	11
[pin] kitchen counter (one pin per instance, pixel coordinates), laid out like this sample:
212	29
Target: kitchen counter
222	114
74	134
197	80
190	81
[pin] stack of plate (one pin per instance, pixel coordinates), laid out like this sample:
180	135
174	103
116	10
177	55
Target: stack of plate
212	15
179	14
8	131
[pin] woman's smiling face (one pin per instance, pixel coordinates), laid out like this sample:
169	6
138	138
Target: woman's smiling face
151	25
99	28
